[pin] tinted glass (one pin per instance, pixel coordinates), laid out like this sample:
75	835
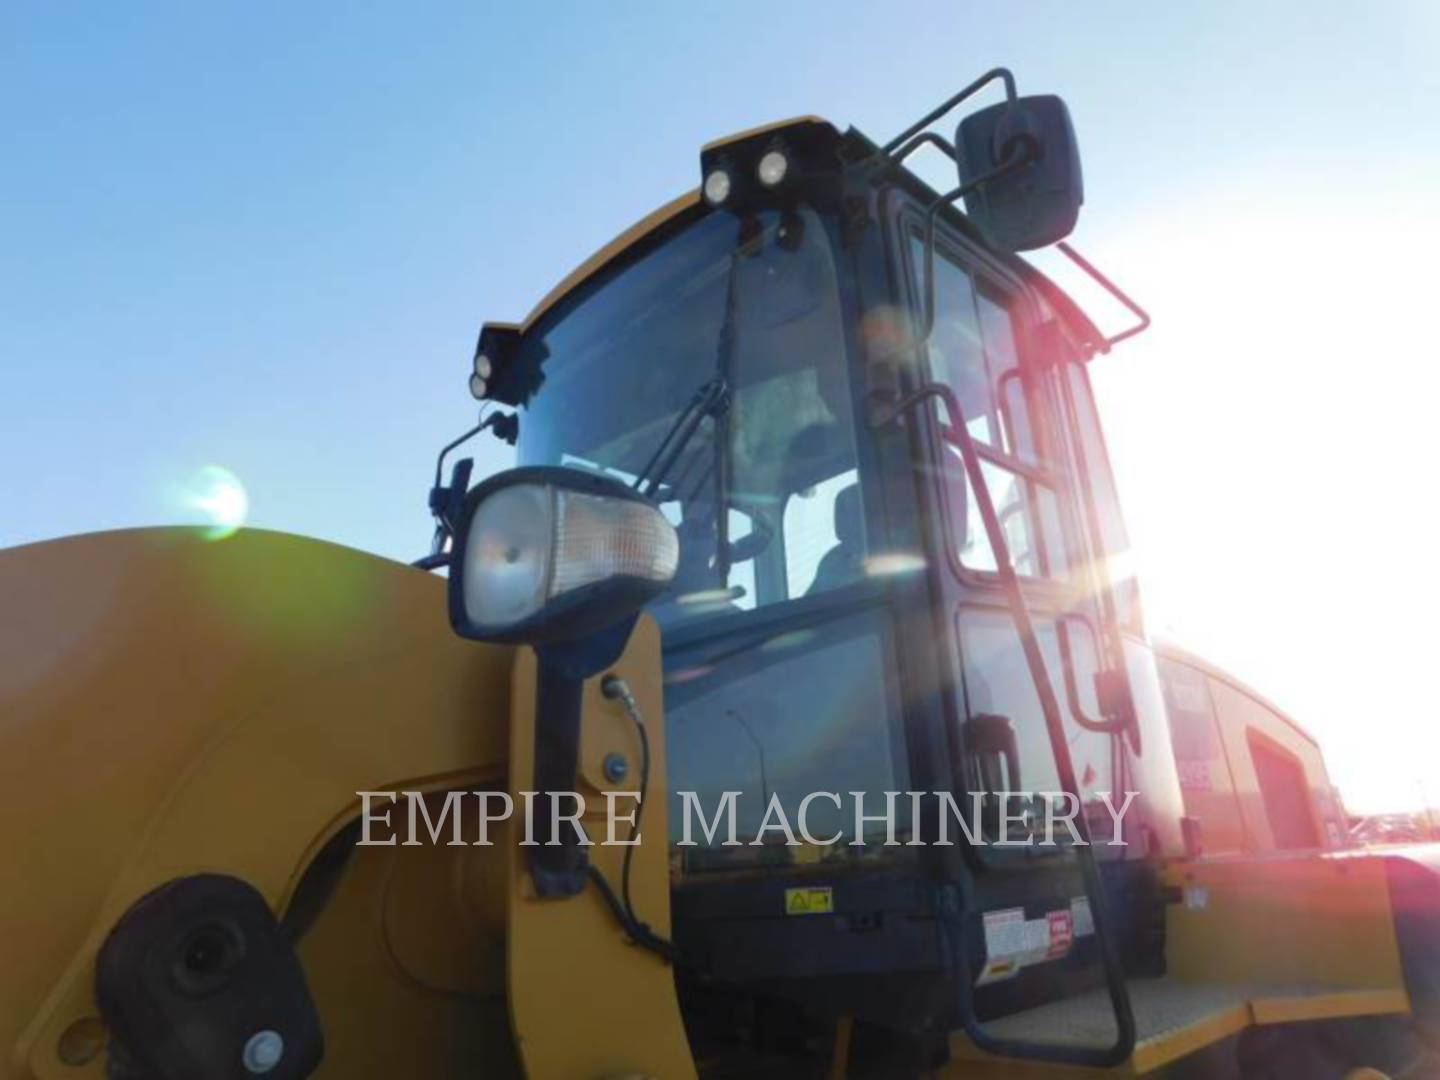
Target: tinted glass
807	710
756	303
973	349
997	683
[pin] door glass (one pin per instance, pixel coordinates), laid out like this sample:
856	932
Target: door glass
973	349
1118	564
1003	365
997	683
956	350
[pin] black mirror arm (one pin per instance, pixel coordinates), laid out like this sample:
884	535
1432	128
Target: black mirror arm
1003	74
932	138
1022	152
445	502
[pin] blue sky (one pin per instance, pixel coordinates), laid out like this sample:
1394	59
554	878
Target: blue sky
264	235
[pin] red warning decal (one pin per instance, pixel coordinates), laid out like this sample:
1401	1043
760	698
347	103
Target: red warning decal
1062	934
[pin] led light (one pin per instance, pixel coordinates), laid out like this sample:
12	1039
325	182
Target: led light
483	367
477	387
773	167
717	186
529	544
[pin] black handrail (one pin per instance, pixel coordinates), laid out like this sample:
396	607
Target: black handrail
1141	315
958	434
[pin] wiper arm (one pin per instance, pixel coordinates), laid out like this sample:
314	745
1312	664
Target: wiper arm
712	399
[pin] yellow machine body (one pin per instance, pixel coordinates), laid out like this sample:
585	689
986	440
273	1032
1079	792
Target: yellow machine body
170	705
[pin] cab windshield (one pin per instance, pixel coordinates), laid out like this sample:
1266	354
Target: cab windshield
753	301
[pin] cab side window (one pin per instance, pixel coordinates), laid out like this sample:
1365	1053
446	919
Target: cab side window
974	349
1283	790
1205	782
1273	781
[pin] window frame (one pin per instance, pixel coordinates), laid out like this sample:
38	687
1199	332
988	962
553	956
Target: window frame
1052	469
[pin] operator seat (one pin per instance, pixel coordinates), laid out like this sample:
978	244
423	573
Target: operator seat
845	562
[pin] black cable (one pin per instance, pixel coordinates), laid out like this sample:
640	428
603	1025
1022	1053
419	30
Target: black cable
639	810
638	932
615	688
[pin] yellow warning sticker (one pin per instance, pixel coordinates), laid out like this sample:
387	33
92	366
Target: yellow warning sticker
811	900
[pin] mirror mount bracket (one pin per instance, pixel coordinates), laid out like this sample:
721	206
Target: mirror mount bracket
1023	151
1003	74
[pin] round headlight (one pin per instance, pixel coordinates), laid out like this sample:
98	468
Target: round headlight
549	554
507	555
717	186
483	367
772	167
478	387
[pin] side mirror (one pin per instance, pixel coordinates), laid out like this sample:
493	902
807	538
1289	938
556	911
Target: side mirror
546	556
1038	203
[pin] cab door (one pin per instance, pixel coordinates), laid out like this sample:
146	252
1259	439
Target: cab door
1029	929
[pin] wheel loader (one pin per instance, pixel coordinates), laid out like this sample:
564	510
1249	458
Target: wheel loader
787	711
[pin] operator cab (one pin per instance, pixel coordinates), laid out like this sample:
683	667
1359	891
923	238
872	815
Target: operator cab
866	599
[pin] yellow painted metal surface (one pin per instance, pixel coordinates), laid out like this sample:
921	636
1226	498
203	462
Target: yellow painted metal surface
633	235
170	705
1303	920
1217	723
1157	1051
583	1001
1243	720
407	965
1273	941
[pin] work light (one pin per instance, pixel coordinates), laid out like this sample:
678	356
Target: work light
551	554
478	387
772	168
717	185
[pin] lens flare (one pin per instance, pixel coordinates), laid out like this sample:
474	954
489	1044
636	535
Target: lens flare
890	563
219	494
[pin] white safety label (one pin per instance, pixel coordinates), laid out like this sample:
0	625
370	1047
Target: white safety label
1013	942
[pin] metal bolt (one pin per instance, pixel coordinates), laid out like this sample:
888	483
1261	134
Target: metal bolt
615	767
263	1051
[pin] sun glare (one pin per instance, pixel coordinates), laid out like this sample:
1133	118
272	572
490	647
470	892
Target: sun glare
219	494
1257	433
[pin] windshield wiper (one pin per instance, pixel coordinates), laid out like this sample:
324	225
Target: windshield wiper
712	399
